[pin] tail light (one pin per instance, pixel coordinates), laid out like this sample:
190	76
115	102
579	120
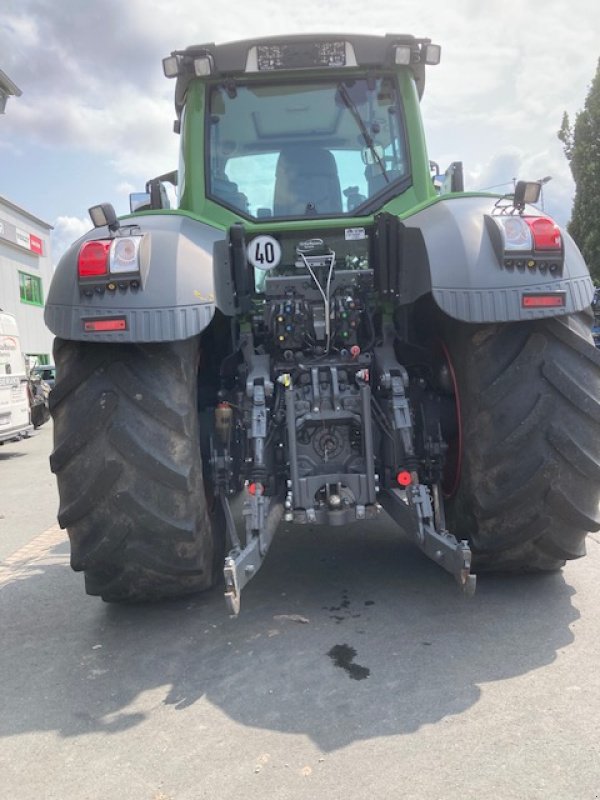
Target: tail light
546	233
93	259
526	242
107	257
125	255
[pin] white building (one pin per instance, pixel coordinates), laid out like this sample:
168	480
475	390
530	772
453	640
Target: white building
7	89
25	273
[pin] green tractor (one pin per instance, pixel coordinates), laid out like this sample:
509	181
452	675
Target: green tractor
321	331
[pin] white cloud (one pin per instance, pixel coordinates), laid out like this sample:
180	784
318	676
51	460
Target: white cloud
66	231
125	189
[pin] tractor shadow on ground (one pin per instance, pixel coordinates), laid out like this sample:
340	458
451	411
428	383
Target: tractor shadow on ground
10	455
389	644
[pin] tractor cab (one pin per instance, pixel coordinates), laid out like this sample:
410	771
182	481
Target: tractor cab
293	128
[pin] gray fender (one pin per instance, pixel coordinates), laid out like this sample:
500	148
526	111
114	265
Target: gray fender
176	300
466	278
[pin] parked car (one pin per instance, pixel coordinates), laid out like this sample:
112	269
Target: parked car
38	391
15	420
47	372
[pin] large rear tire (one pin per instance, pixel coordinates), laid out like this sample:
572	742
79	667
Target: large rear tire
529	402
129	469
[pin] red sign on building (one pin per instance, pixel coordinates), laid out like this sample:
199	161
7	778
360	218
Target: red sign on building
36	244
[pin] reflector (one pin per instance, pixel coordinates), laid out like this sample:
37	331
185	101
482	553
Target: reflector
404	478
547	300
96	325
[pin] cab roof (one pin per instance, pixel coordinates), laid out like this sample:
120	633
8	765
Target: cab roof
293	54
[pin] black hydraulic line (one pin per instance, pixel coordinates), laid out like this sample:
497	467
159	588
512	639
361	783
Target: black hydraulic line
365	401
290	418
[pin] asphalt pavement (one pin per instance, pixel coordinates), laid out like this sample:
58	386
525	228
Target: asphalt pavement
355	670
28	494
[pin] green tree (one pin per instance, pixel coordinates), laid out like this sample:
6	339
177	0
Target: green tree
581	143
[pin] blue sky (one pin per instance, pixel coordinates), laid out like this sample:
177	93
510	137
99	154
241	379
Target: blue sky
95	117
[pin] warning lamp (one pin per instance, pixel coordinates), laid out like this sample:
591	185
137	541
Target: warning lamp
404	478
256	489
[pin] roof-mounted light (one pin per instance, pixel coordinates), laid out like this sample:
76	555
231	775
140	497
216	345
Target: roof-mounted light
526	192
403	54
171	66
420	52
104	214
203	66
431	54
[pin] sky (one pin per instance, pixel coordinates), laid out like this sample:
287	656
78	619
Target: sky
95	119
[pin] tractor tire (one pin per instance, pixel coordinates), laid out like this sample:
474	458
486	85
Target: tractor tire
129	468
527	489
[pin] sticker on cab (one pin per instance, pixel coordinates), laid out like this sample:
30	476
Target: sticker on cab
352	234
264	252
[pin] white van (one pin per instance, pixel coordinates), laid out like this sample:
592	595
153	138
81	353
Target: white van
15	419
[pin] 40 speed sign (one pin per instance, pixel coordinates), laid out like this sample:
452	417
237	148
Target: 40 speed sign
263	252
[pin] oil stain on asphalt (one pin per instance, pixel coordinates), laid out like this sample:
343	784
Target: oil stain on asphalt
342	656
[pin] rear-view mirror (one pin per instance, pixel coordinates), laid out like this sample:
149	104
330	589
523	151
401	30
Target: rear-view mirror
139	201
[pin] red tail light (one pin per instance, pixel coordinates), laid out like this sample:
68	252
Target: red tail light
546	233
93	259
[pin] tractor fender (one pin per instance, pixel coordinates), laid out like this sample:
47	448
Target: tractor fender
467	278
176	298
